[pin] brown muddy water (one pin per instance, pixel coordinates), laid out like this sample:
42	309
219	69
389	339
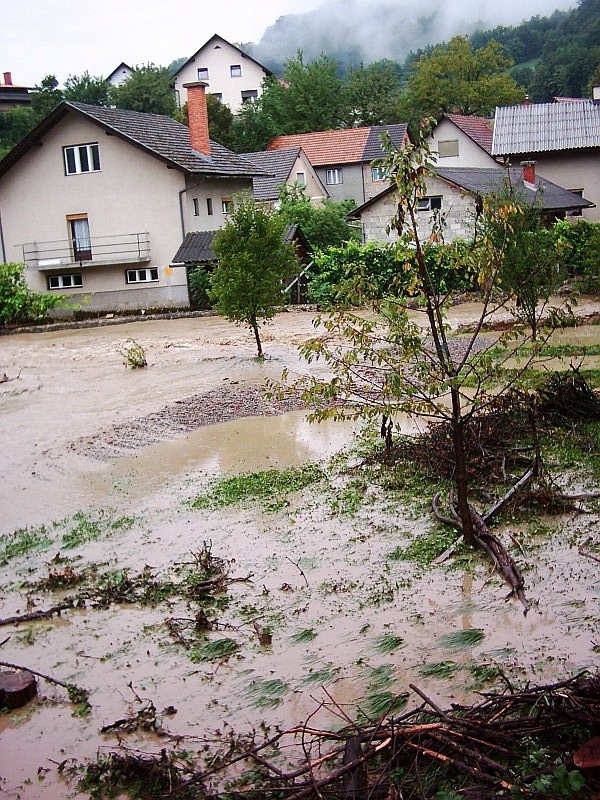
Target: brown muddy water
84	438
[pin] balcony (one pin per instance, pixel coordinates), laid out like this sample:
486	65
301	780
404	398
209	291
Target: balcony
97	251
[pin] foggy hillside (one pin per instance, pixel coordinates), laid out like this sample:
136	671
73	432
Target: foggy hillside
355	30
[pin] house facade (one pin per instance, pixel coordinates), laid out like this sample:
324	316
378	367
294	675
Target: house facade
454	194
462	141
11	95
231	75
563	138
342	158
120	74
95	201
286	167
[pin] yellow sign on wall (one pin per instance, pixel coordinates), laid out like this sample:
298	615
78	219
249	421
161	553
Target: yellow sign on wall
168	271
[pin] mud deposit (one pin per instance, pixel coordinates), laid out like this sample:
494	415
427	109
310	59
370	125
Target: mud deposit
101	464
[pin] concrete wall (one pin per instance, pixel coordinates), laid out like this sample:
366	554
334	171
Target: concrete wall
216	191
353	186
218	57
458	211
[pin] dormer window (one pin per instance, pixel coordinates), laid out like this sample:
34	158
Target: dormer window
81	158
235	70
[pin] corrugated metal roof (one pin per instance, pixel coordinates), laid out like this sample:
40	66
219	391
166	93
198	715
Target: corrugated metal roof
347	146
546	127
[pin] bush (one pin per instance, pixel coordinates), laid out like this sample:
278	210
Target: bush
19	303
582	257
199	283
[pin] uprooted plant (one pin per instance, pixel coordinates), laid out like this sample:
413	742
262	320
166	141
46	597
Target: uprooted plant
388	365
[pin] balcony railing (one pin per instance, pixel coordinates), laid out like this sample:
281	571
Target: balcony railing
126	248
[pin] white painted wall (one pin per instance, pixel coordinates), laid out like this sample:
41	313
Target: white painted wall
470	154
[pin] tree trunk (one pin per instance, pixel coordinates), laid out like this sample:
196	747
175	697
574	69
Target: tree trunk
460	475
254	326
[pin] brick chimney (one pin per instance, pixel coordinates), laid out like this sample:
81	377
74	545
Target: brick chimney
528	172
7	79
198	116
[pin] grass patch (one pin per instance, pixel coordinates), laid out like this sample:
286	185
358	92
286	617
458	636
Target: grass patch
90	528
350	498
388	643
441	669
304	636
383	703
22	541
426	547
214	651
267	693
272	485
462	640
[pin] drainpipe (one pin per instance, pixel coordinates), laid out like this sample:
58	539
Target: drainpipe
181	214
2	246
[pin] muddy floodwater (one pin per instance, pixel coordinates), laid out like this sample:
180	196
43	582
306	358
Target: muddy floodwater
102	463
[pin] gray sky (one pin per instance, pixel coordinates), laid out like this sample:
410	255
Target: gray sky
68	37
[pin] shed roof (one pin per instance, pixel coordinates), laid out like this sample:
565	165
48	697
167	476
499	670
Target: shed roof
347	146
197	246
156	134
546	127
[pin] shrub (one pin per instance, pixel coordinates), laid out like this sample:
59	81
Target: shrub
582	256
199	283
19	303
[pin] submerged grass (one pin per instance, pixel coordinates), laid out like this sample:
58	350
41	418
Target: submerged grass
22	541
272	485
267	693
461	640
214	651
388	643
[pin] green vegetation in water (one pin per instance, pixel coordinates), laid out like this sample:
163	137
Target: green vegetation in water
349	499
441	669
383	703
321	676
426	547
267	693
80	699
89	528
461	640
22	541
388	643
272	485
484	673
214	651
304	636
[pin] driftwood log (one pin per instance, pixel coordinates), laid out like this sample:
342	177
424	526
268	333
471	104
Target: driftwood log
17	688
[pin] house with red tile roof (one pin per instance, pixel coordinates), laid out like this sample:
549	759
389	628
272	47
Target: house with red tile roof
459	140
343	158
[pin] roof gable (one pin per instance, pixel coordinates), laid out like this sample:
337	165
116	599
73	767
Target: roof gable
546	127
216	38
346	146
278	164
478	129
160	136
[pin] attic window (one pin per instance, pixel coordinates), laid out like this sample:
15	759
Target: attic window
235	70
447	148
429	203
202	73
301	178
81	158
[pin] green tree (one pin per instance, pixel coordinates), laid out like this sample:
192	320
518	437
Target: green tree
324	225
149	89
86	88
456	78
374	94
44	98
220	121
253	262
14	124
19	303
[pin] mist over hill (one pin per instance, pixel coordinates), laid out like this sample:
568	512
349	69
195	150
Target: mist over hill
354	31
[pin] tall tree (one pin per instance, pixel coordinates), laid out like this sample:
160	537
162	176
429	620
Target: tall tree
253	263
374	93
87	88
14	124
44	98
220	121
456	78
149	89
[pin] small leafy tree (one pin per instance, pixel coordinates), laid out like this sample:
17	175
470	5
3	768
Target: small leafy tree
19	303
324	225
45	97
149	89
87	88
253	263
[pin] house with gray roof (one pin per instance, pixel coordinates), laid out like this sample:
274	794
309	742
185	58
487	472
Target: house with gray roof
455	192
95	201
287	167
563	138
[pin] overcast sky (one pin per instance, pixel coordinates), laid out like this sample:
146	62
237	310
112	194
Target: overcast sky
68	37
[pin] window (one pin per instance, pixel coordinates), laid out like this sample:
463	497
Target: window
209	209
81	158
250	96
227	205
202	73
576	212
447	148
196	207
69	281
334	176
235	70
378	174
429	203
81	242
301	179
218	96
141	275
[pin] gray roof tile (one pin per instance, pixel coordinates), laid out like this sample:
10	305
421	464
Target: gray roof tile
545	127
278	163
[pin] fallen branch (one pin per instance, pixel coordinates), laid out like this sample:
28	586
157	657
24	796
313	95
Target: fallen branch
33	615
48	678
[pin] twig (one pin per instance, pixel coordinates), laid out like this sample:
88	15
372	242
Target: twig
583	552
299	568
35	672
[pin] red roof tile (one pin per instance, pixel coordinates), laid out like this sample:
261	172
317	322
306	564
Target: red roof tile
327	147
479	129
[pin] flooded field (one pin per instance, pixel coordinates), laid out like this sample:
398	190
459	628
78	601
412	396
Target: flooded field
101	464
